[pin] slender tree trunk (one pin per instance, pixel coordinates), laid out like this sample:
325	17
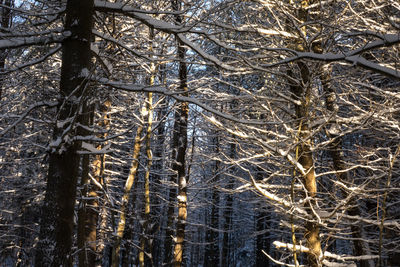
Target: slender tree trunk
179	143
212	247
169	231
86	253
226	240
262	227
336	153
125	198
145	245
5	23
129	234
179	165
57	221
302	93
88	213
156	211
144	240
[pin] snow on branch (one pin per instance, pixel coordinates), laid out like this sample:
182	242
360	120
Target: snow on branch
139	15
326	254
36	40
90	149
35	61
160	89
352	56
26	113
107	37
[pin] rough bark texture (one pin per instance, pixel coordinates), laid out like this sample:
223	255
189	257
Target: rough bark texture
179	145
56	229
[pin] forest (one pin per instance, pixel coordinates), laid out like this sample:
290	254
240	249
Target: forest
214	133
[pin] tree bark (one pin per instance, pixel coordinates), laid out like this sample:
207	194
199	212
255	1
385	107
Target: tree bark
179	145
302	93
262	227
5	23
212	247
179	165
145	244
56	229
228	211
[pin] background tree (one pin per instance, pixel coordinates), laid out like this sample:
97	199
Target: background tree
278	91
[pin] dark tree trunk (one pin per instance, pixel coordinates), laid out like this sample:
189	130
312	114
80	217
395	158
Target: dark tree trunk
5	23
156	211
179	162
212	247
57	224
226	240
262	227
179	165
336	153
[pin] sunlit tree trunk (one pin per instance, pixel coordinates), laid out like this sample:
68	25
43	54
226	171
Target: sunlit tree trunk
57	220
88	212
179	165
125	198
303	94
145	245
300	88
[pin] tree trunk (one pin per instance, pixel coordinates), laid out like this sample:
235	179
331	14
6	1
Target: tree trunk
145	244
5	23
125	197
57	221
212	247
179	165
262	227
156	211
179	145
302	93
336	153
88	213
226	242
